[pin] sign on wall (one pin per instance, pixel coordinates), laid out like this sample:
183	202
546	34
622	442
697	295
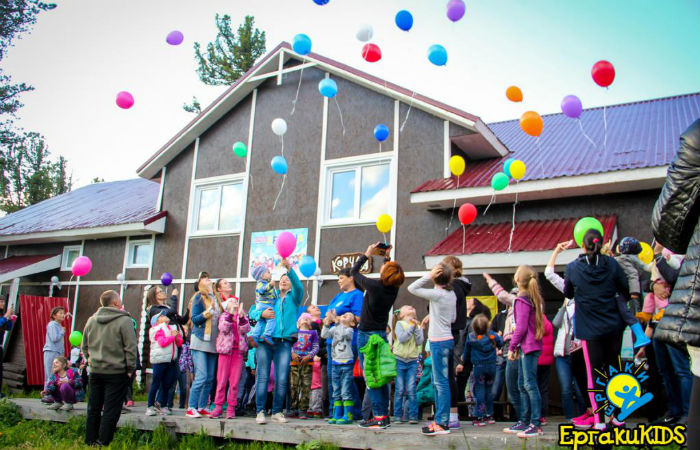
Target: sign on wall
339	262
263	251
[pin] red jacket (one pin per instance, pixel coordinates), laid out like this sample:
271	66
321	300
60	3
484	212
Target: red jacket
547	355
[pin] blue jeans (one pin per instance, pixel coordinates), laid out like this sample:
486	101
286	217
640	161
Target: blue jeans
405	386
281	355
181	381
357	409
674	366
204	372
484	375
378	397
530	400
569	387
163	377
500	378
512	375
342	383
441	352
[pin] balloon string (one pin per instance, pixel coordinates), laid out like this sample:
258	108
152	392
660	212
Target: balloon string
605	125
380	147
69	282
408	113
454	205
294	103
384	234
282	140
340	114
512	229
584	133
493	197
307	292
284	178
464	237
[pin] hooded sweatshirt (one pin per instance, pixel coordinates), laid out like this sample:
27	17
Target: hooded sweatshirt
109	342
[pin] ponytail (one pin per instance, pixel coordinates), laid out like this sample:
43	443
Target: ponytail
529	278
592	242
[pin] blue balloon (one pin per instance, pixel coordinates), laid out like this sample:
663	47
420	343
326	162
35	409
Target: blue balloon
321	2
327	88
404	20
279	165
301	44
437	55
381	132
506	166
307	266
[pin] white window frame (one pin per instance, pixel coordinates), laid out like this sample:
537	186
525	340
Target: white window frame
64	256
333	166
130	254
204	183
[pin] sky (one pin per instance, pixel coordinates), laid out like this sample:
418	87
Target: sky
79	55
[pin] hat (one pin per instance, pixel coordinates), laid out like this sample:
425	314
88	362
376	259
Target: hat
154	319
258	272
305	316
630	246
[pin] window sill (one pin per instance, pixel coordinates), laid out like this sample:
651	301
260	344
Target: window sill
214	234
348	224
144	266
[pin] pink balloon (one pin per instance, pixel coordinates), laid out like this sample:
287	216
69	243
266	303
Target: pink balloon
125	100
286	243
81	266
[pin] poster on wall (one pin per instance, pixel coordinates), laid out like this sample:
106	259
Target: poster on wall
263	251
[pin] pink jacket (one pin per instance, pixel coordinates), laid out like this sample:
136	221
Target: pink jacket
547	356
232	333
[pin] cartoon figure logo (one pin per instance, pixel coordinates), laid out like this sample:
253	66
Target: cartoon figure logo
620	389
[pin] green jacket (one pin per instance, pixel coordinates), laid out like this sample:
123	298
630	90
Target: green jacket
425	392
109	342
286	310
380	363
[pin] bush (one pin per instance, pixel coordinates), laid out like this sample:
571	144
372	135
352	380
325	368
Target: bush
9	414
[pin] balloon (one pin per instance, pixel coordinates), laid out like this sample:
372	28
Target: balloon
514	94
371	52
317	272
166	279
279	126
583	225
506	166
531	123
499	181
381	132
125	100
75	338
603	73
437	55
174	37
455	10
571	106
457	165
240	149
307	266
279	165
404	20
321	2
365	33
327	88
384	223
120	277
81	266
647	254
285	244
517	169
301	44
466	213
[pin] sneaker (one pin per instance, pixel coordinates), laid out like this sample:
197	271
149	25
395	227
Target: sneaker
218	412
293	414
530	431
55	405
398	420
376	423
279	418
230	413
543	421
260	418
166	411
617	423
433	429
666	420
479	423
413	421
454	424
67	407
192	413
204	412
303	416
130	404
516	428
584	422
151	411
47	399
490	420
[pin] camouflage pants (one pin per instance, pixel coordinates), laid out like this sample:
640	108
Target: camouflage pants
300	385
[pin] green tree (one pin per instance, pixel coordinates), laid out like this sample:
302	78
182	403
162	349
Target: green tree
97	180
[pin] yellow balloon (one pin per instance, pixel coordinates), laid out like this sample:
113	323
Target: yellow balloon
647	254
517	169
384	223
457	165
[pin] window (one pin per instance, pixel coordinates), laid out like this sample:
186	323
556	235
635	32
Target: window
69	254
218	208
139	254
357	194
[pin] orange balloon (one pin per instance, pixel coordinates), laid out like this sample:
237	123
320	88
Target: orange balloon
514	94
531	123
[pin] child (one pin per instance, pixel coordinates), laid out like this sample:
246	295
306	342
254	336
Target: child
78	364
265	297
408	341
64	385
54	346
526	344
634	268
303	353
343	360
316	397
165	339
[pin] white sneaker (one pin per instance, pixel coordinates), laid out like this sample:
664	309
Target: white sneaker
166	411
192	413
260	419
55	405
150	411
279	418
67	407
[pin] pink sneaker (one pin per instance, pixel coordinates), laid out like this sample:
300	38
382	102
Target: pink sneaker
230	413
216	413
585	421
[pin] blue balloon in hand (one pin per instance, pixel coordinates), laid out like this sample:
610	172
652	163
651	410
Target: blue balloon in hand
301	44
328	88
404	20
381	132
437	55
279	165
307	266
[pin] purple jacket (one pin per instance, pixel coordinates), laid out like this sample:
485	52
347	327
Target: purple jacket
525	331
232	333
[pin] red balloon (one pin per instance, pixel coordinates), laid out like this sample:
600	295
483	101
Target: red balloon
466	213
603	73
371	52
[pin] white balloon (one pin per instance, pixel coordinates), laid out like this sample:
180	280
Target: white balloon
120	277
317	272
279	126
365	33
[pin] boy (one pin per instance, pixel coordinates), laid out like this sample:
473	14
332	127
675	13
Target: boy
343	360
265	297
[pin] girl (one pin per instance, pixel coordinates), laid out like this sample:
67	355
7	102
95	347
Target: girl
526	344
442	313
408	341
54	346
303	353
165	340
64	385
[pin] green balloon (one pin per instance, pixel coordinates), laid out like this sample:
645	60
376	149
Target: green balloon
582	227
75	338
499	181
240	149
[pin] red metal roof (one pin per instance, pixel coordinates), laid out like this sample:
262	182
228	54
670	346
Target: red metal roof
640	134
14	263
533	235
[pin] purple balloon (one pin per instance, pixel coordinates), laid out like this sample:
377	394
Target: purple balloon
175	38
456	10
571	106
166	279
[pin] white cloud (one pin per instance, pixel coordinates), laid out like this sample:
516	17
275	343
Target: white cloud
376	205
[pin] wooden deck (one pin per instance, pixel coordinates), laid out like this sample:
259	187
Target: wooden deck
397	437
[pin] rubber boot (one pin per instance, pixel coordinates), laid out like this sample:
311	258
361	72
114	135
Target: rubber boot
337	412
347	417
640	339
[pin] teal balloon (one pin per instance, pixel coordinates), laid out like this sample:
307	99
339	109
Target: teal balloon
506	166
279	165
437	55
240	149
307	266
328	88
499	181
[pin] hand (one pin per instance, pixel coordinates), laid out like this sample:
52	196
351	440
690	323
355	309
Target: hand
487	277
658	248
9	313
295	357
175	292
562	246
641	354
231	307
317	358
512	356
425	321
82	366
241	309
459	368
269	313
435	272
371	250
305	359
285	263
272	283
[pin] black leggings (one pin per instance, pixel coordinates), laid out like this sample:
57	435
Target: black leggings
458	382
601	354
693	432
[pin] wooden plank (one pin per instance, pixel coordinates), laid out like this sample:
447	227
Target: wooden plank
19	377
14	367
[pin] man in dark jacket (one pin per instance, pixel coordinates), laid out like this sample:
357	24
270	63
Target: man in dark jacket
109	345
675	223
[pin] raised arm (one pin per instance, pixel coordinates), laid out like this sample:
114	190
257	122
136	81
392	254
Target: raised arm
501	294
419	288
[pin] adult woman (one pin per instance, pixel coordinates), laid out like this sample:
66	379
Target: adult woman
380	296
285	314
